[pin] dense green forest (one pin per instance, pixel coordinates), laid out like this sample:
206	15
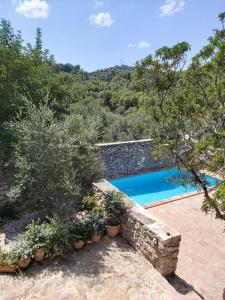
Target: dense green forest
53	114
107	98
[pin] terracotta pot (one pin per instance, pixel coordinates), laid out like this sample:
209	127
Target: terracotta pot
23	263
95	237
7	269
112	231
78	245
39	254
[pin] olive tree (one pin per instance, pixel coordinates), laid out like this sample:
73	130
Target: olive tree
53	167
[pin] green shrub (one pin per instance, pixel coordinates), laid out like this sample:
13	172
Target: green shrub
22	249
36	235
6	259
30	240
57	237
80	231
115	208
54	168
52	236
97	220
89	202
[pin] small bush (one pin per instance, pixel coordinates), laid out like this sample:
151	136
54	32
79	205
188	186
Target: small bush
57	237
97	220
115	208
6	259
36	235
22	249
80	231
89	202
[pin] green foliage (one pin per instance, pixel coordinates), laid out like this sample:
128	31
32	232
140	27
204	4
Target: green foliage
89	202
115	208
80	231
53	168
6	259
36	235
97	220
22	249
187	110
23	71
31	72
57	237
52	236
217	199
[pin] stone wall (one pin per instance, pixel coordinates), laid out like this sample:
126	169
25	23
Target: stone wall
123	158
156	241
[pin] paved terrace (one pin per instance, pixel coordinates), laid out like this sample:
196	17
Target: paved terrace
110	270
201	264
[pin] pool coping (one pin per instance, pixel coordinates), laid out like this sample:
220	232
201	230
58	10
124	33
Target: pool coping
173	199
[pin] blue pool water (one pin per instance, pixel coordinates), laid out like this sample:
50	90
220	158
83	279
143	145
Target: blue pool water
155	186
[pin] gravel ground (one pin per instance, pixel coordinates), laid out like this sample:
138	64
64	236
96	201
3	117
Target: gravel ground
109	270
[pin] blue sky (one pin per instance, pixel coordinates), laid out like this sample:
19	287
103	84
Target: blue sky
102	33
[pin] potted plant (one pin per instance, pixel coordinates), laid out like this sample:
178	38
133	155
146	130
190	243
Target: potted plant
21	253
97	223
56	238
35	234
79	234
115	209
7	263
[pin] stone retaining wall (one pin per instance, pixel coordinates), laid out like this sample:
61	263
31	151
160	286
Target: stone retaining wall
156	241
123	158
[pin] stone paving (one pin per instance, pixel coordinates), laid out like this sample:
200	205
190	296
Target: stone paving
110	270
201	264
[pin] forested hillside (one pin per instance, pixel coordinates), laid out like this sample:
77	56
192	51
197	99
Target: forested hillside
106	99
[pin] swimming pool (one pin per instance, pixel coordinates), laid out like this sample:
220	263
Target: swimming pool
156	186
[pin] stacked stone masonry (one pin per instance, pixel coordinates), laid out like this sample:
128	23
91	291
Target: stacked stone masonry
123	158
156	241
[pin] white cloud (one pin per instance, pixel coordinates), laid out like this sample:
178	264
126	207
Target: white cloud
103	19
143	44
171	6
98	3
131	45
33	8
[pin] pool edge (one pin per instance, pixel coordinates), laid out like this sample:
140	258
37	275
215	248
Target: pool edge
173	199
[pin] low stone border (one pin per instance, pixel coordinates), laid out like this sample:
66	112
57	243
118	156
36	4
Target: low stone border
173	199
156	241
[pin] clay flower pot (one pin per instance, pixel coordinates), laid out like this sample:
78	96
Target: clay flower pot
95	237
23	263
78	245
112	231
39	255
8	269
